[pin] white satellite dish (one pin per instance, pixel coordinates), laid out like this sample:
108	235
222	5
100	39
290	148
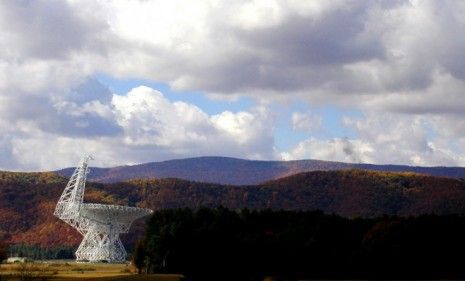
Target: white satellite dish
100	224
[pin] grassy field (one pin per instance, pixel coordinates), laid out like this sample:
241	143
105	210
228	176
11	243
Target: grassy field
70	271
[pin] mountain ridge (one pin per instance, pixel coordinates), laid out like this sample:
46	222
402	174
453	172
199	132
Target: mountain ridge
27	200
236	171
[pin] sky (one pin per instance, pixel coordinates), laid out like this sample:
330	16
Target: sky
140	81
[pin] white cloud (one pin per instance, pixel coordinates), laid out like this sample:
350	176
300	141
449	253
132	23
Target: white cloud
332	51
399	62
336	149
388	139
306	122
148	118
150	126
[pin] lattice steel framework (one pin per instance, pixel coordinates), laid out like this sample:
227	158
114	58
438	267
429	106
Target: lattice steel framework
100	224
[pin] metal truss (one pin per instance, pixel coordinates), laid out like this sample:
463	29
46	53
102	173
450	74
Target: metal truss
100	224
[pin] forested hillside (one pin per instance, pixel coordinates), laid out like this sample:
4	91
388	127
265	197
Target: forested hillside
288	245
27	200
234	171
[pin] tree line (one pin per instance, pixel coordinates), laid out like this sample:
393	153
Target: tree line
37	252
221	244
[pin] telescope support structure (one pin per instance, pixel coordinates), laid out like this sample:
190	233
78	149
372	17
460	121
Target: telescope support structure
100	224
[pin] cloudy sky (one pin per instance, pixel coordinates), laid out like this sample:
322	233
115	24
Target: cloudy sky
140	81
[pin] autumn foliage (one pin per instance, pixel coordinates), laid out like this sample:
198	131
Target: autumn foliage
27	200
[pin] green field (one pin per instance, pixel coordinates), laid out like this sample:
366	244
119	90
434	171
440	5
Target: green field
70	271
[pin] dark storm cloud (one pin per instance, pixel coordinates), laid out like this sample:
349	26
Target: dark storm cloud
337	38
350	54
349	150
68	119
298	53
90	90
48	29
7	158
450	42
389	58
88	125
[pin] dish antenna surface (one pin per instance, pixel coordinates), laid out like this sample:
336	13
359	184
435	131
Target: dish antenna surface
100	224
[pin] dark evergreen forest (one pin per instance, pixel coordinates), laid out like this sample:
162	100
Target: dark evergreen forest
36	252
220	244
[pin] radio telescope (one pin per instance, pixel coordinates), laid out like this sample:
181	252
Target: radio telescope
100	224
